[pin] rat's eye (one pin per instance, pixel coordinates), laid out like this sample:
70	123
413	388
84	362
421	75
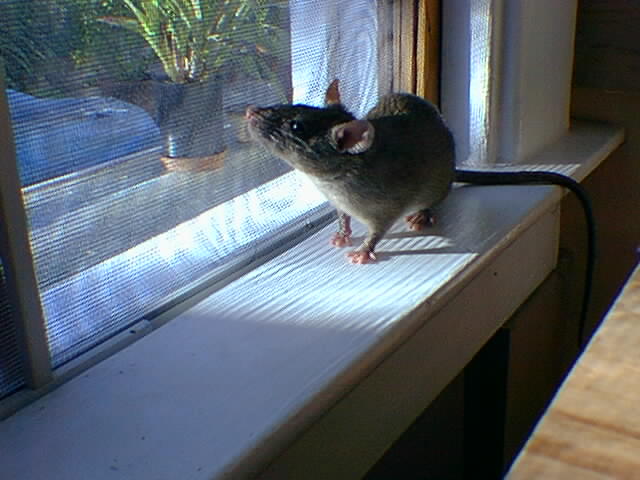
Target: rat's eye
296	126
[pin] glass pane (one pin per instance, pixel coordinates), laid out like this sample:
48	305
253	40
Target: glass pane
138	177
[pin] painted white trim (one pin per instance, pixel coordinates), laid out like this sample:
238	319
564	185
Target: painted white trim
455	72
471	76
529	50
537	58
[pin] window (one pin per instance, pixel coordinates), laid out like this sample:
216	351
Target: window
138	182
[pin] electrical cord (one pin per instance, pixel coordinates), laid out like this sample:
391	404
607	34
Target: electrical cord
476	177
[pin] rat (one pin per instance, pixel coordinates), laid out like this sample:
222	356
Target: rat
399	160
373	169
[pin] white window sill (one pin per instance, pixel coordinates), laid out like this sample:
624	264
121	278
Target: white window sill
307	366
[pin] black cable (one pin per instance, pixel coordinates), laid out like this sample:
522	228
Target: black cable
476	177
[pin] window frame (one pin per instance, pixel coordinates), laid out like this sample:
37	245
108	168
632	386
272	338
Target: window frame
20	276
414	50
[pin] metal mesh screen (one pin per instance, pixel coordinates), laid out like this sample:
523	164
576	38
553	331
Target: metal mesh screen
480	73
138	178
11	374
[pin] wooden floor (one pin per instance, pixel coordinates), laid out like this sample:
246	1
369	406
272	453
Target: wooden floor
592	428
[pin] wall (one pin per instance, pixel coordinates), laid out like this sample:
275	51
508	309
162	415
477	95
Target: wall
607	87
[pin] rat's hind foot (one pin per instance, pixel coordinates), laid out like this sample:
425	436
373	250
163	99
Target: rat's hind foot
341	240
421	219
362	256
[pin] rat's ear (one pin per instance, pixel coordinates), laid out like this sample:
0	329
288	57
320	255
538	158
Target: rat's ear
332	95
353	137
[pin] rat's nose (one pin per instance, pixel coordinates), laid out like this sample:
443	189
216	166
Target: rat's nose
250	112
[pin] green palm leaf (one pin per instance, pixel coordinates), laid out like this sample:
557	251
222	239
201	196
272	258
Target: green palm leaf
194	37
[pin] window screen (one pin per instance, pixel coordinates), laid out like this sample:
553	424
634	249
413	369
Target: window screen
480	71
11	375
138	178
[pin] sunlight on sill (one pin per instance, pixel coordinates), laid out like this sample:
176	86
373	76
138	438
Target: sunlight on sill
189	250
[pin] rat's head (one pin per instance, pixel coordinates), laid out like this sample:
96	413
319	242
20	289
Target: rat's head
310	138
298	130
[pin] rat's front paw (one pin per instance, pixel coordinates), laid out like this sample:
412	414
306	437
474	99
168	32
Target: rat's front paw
362	256
341	240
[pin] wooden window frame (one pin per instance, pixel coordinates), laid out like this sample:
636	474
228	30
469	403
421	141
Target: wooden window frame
413	48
